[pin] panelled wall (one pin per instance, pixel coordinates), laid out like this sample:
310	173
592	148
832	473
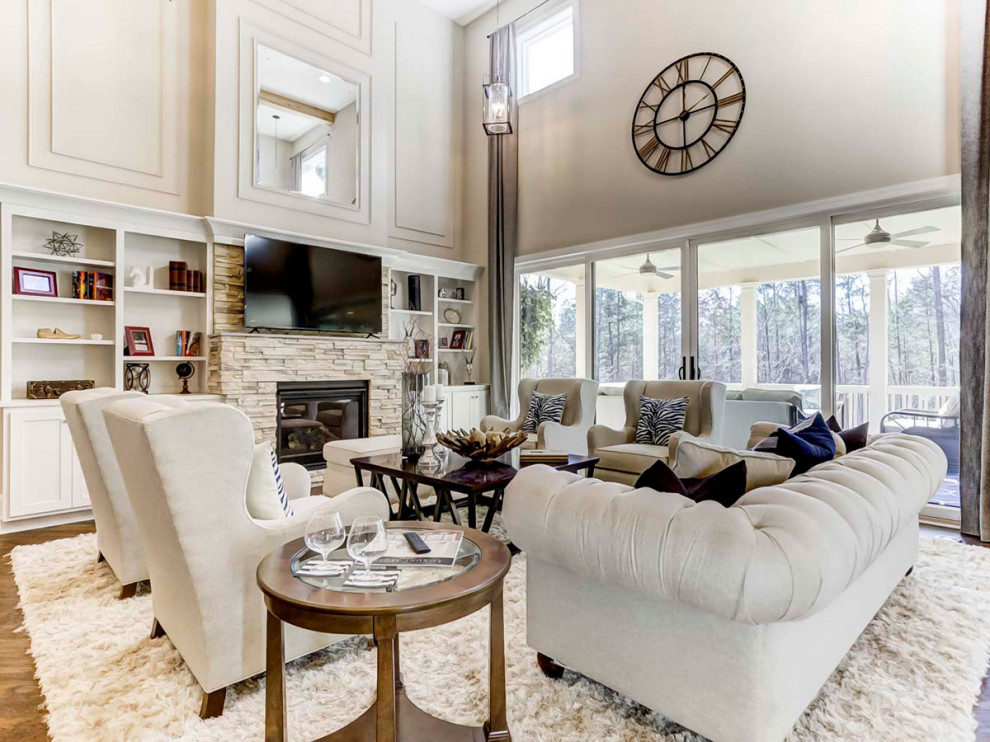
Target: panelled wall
151	103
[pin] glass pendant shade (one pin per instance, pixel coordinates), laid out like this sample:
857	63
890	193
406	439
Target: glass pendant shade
496	113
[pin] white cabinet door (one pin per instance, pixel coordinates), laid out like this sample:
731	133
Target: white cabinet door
77	482
40	480
467	407
478	405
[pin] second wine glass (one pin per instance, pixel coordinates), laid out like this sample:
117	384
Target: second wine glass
367	541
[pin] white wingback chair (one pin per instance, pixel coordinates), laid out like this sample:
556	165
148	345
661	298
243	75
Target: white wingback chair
187	474
570	435
116	530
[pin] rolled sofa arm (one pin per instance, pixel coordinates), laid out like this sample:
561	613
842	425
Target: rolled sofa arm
600	436
498	424
778	554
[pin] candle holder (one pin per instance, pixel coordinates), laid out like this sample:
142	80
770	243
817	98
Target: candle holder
429	460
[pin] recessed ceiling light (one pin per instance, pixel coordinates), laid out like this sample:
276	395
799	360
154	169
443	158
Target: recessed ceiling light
324	78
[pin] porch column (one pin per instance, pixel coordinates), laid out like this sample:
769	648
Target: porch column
651	336
580	330
749	322
879	367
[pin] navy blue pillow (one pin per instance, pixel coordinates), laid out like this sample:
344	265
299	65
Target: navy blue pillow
809	446
725	487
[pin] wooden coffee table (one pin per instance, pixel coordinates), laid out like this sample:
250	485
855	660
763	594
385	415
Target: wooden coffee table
459	475
423	598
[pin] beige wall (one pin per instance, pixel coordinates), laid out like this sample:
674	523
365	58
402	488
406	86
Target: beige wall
842	96
144	103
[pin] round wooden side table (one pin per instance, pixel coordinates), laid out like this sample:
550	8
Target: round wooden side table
422	598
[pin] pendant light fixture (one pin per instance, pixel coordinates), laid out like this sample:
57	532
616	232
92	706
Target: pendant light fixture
498	94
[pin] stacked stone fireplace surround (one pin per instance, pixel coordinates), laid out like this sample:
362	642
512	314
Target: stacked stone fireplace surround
246	368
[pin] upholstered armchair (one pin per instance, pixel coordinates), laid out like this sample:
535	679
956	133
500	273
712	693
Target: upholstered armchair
621	459
187	474
117	536
570	435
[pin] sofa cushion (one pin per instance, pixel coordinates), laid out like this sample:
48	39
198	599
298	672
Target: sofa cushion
630	457
341	452
659	419
853	438
266	498
544	408
699	459
724	486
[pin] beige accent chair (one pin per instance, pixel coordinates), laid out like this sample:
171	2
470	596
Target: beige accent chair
187	474
725	620
623	460
570	435
117	536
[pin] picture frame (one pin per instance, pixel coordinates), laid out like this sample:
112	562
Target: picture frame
444	342
421	348
457	339
459	293
139	342
34	282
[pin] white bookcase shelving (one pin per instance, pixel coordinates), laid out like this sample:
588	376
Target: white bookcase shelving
42	481
438	318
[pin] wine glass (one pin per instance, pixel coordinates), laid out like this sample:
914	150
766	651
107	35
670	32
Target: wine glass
325	532
367	541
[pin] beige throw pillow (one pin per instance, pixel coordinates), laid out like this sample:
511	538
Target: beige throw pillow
696	459
265	498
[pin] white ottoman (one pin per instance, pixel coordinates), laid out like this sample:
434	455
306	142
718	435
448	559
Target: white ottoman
338	454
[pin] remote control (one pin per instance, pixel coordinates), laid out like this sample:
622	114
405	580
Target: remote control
416	542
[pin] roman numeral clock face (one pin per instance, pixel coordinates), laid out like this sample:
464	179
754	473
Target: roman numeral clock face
688	114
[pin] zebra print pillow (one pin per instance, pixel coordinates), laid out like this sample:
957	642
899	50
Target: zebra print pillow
283	498
658	418
544	408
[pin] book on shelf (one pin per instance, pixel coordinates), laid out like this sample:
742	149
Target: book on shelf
177	270
188	343
92	285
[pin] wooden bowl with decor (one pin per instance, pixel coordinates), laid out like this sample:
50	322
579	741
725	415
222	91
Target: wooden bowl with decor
481	447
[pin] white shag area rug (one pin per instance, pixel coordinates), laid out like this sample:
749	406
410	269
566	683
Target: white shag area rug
915	673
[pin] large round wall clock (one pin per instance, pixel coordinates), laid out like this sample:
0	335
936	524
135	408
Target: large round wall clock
688	113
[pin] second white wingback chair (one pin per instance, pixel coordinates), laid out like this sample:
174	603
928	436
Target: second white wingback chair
187	474
116	530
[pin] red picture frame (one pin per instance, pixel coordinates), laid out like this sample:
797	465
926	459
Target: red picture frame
139	341
457	339
34	282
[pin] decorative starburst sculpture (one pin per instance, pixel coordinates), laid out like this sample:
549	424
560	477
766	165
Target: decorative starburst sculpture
64	245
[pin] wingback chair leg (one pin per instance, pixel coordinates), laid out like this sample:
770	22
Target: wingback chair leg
213	704
100	557
128	591
910	570
548	667
156	629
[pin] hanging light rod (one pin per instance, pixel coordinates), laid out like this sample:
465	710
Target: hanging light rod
520	17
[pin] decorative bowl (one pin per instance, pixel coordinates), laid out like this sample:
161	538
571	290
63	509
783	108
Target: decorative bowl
481	447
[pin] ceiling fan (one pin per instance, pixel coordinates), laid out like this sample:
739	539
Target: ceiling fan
649	269
878	236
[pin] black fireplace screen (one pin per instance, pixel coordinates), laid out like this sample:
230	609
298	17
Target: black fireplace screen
311	414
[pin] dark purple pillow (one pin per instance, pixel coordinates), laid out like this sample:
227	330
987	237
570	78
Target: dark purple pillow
724	487
854	438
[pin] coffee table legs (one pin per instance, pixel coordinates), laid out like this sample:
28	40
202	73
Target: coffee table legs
275	727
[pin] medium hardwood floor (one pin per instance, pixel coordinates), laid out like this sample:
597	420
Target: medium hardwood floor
21	717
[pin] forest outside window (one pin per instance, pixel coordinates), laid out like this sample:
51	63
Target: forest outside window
551	323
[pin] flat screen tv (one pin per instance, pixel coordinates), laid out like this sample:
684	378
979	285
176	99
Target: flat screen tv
289	286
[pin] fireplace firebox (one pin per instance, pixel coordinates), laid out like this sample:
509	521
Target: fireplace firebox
313	413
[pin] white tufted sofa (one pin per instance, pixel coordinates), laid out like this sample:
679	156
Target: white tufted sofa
726	620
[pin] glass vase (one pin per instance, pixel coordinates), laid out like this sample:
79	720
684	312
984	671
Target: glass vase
413	414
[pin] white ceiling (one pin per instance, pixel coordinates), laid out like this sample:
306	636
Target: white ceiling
300	81
461	11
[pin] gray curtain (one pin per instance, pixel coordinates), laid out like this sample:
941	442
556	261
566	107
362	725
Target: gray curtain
974	400
503	158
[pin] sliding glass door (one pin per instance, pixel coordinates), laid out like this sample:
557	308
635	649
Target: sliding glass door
898	279
552	335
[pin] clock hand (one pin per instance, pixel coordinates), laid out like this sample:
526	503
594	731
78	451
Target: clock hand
688	112
699	101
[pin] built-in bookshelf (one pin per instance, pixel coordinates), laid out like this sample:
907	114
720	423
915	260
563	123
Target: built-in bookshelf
446	316
99	353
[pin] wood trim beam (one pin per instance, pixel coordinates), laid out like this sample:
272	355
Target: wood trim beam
295	106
